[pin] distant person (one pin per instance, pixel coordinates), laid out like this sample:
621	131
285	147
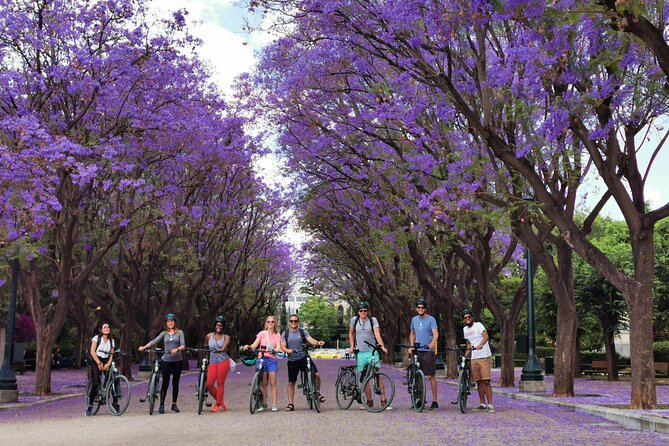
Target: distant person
347	354
271	340
57	359
99	361
174	342
219	363
424	331
363	328
479	349
291	343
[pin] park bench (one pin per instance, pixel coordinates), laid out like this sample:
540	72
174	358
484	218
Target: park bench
600	367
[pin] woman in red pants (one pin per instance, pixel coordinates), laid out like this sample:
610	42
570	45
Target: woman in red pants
219	363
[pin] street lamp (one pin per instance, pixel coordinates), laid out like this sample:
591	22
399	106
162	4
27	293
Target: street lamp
532	378
9	392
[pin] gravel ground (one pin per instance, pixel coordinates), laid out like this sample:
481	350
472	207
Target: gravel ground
59	419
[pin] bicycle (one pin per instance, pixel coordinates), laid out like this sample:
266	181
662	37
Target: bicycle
113	390
348	390
464	378
256	383
415	380
201	392
308	382
154	380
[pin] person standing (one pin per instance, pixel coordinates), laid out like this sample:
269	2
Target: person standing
291	343
99	361
479	349
424	332
271	340
362	332
219	363
174	342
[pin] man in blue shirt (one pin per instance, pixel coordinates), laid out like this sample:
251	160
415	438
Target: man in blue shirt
424	331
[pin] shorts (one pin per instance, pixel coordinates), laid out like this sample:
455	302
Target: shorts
481	369
270	365
428	362
295	367
364	358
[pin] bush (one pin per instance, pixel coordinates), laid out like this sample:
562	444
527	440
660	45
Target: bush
543	351
588	357
661	351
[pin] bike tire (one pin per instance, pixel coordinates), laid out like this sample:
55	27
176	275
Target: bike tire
463	390
378	381
306	389
153	386
418	391
311	379
120	391
255	399
201	391
345	389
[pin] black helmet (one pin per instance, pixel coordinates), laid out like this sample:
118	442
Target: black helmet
467	311
363	305
170	317
220	318
422	302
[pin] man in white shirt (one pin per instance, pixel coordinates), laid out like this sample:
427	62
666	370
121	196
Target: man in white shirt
479	348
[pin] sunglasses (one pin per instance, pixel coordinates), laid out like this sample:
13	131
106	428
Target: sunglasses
293	321
270	322
420	308
362	311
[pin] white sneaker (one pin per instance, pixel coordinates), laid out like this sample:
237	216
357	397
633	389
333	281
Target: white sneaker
275	409
260	409
491	409
480	408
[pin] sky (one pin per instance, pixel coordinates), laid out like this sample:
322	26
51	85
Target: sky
231	52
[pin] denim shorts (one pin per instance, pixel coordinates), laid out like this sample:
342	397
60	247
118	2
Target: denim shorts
270	365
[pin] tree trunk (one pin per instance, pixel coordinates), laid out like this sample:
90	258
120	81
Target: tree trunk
565	344
507	374
610	349
451	360
43	364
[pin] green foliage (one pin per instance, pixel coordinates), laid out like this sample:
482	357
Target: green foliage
543	351
319	317
661	351
588	357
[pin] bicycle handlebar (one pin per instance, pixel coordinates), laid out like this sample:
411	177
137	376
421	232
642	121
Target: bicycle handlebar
415	346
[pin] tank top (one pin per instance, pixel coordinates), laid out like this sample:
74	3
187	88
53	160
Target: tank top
215	344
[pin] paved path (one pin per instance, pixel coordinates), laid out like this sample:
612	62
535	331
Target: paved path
59	420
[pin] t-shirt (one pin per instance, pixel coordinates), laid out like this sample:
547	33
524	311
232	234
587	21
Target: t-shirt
474	335
170	342
423	327
364	332
270	341
295	343
103	349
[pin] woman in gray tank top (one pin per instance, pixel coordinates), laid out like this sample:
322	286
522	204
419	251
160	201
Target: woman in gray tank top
219	363
174	342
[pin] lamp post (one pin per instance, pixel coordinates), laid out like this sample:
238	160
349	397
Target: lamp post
531	378
9	392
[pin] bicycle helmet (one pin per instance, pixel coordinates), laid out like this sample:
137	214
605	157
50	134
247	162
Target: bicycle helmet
422	302
466	312
363	305
220	318
170	317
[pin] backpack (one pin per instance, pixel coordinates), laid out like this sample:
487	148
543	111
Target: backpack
357	319
97	341
304	338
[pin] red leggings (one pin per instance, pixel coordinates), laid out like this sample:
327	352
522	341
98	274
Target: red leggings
216	374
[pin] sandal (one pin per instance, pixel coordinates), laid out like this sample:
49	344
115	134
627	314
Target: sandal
290	408
321	398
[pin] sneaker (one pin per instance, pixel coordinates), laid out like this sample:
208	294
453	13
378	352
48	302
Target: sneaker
275	409
174	408
207	403
480	408
161	408
434	405
491	409
89	411
215	408
261	409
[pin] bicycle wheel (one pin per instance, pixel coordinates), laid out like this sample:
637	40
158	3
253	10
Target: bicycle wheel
379	383
306	389
345	389
463	390
153	388
313	391
418	391
118	394
201	391
256	393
